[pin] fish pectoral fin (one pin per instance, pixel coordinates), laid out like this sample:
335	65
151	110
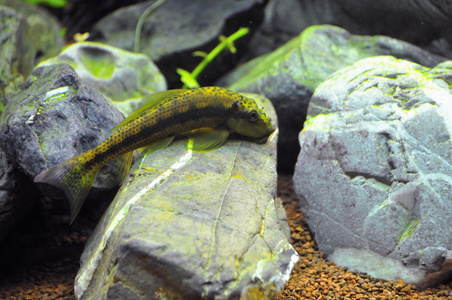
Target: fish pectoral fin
158	145
149	101
207	139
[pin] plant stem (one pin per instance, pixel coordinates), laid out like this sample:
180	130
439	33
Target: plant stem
225	43
143	16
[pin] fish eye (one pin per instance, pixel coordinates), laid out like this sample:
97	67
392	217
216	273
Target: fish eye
253	115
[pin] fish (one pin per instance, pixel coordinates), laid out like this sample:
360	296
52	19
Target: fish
206	115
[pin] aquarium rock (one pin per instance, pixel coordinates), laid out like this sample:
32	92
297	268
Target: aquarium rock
56	117
425	23
289	75
28	34
17	197
176	29
191	225
374	172
123	77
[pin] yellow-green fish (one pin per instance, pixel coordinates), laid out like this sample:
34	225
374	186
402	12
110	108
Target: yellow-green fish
207	115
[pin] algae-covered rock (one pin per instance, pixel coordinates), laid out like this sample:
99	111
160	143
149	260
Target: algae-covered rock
54	118
374	171
177	28
28	34
193	226
289	75
121	76
426	23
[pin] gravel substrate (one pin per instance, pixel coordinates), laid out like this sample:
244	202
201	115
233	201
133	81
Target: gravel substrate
40	261
316	278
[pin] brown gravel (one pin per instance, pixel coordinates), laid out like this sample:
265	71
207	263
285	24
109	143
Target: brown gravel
40	261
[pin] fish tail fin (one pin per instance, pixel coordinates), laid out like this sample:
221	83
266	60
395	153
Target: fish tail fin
74	178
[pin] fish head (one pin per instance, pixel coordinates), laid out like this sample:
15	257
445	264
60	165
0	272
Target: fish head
250	121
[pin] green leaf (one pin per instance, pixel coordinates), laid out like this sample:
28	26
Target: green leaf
229	44
187	78
52	3
199	53
56	3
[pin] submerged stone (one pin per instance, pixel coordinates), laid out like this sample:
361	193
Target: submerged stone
123	77
374	171
54	118
193	225
171	33
426	24
17	196
28	35
289	75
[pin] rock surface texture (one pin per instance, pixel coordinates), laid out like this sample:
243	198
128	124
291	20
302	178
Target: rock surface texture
56	117
193	226
425	23
121	76
289	75
28	34
17	196
374	173
176	29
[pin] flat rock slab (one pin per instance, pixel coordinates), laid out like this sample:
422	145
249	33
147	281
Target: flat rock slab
374	171
289	75
123	77
193	226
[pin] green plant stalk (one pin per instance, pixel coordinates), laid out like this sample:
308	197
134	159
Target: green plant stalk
52	3
143	17
226	42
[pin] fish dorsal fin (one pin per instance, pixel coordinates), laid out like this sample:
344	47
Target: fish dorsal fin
207	139
150	101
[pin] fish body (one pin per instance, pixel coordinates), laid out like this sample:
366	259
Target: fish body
206	115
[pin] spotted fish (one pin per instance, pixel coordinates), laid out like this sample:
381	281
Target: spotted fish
206	115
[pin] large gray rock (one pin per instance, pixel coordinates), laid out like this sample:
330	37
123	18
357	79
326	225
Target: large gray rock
374	174
123	77
289	75
176	29
193	226
425	23
56	117
27	35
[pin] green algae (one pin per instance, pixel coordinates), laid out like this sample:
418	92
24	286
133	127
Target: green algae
98	62
409	230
